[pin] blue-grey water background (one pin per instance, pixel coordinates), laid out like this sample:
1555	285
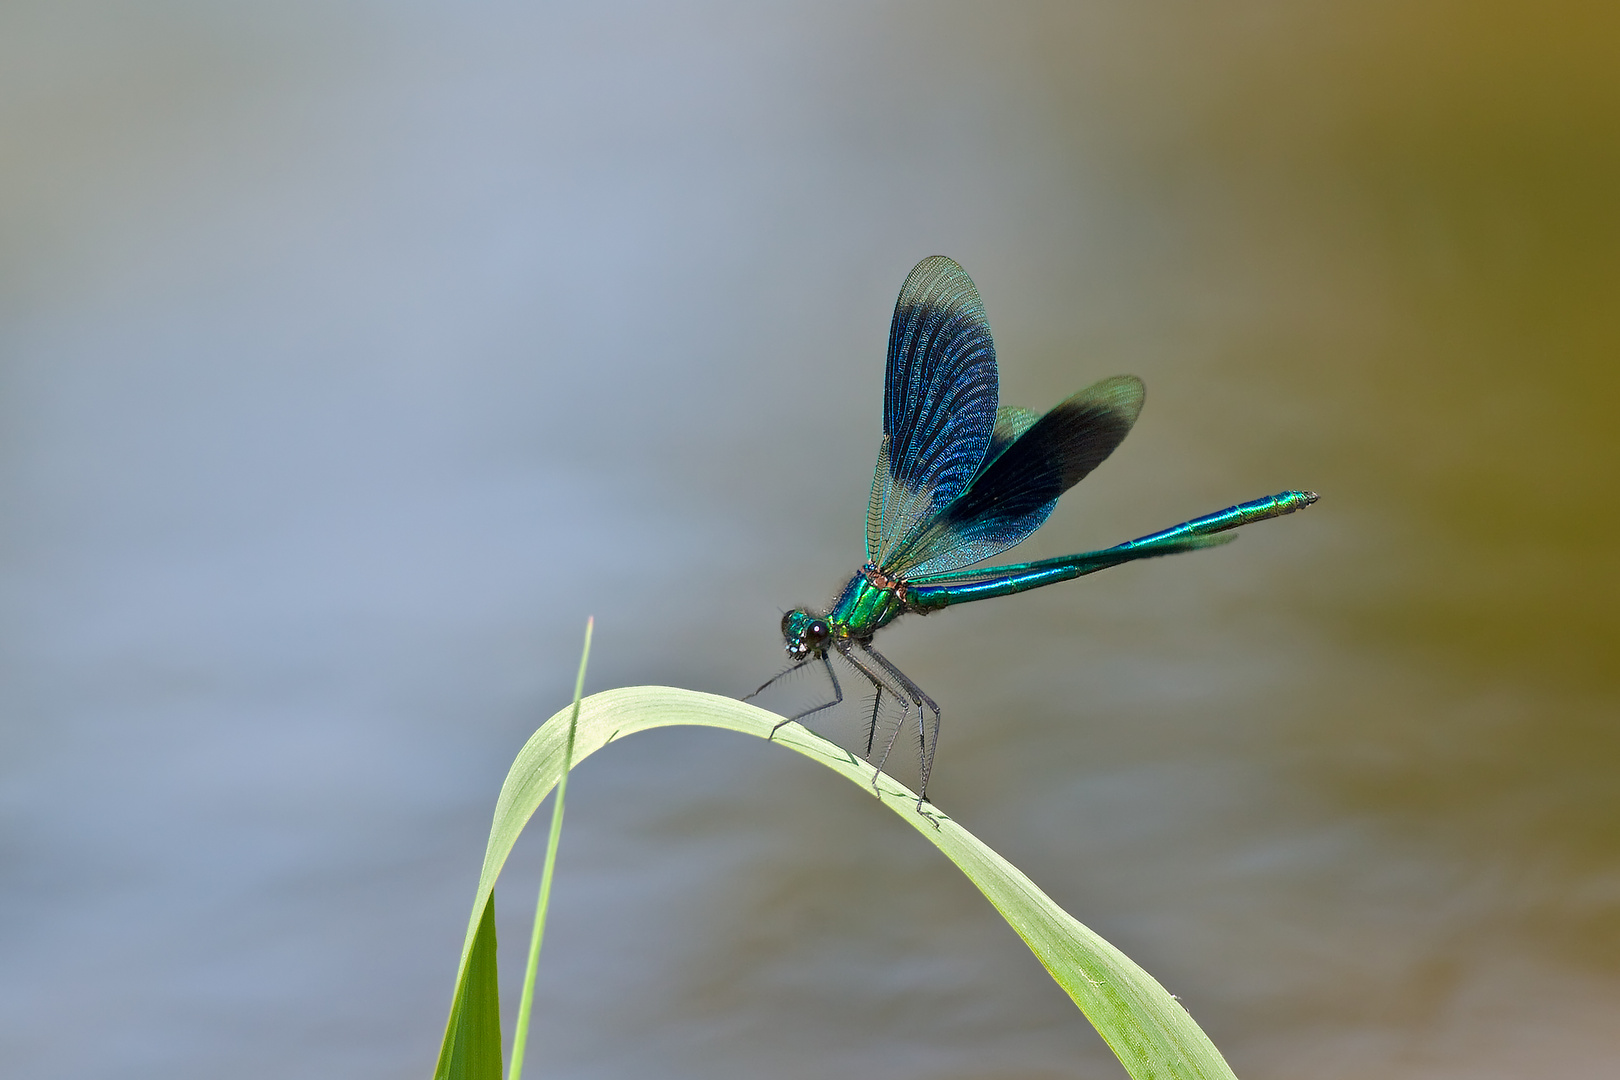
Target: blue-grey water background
351	354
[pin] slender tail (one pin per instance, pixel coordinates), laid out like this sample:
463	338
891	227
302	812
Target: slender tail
961	586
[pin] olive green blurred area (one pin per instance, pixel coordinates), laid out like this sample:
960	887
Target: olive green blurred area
351	355
1409	226
1402	229
1401	226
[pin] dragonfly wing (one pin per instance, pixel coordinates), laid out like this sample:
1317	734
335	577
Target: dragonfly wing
939	403
1011	423
1017	490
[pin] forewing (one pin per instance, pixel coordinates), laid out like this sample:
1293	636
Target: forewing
939	404
1017	490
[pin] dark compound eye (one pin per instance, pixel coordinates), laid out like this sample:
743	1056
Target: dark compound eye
816	631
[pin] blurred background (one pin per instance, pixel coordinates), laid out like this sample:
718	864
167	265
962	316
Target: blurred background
351	354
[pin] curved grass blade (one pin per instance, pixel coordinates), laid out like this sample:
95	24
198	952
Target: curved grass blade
1148	1029
520	1034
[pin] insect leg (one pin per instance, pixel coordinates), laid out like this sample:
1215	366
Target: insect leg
879	685
888	747
926	744
772	679
838	695
871	725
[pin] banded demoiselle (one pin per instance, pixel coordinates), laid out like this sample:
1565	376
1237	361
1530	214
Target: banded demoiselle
960	480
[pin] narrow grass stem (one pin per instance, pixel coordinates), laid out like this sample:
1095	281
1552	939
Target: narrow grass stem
520	1037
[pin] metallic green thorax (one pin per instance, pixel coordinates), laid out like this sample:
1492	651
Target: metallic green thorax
869	602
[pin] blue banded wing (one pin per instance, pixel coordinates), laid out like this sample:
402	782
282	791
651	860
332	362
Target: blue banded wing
939	404
1011	422
1017	488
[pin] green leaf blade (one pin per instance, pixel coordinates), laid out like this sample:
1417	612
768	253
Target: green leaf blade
1153	1036
472	1039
